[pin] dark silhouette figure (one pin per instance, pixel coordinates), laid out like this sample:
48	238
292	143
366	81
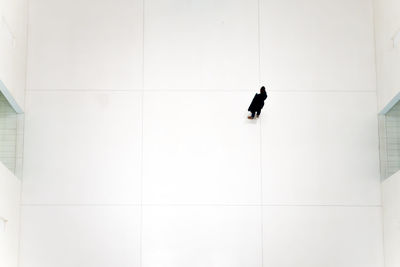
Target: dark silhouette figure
258	103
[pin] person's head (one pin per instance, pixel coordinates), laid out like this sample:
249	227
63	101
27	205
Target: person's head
262	90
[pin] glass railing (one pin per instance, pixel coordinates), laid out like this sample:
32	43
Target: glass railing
11	137
389	134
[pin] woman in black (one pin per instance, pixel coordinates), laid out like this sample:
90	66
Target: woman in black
258	103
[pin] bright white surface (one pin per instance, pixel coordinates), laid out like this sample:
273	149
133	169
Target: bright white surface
320	148
199	148
2	242
82	148
396	39
322	236
87	44
80	237
387	23
201	44
10	188
201	236
13	29
13	23
317	45
391	213
3	222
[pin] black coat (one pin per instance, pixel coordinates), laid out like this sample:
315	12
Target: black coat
258	102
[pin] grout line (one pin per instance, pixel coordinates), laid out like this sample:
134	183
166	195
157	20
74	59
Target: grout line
84	90
267	205
201	205
142	137
382	212
259	42
381	195
379	136
23	134
375	56
261	197
197	90
80	205
141	186
260	136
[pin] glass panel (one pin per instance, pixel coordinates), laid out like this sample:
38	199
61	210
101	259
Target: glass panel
389	129
11	137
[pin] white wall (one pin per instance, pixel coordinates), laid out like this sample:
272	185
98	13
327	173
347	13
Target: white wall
138	151
391	212
10	188
387	24
13	38
13	20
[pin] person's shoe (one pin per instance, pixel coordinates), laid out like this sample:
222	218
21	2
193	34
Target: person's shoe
258	116
250	117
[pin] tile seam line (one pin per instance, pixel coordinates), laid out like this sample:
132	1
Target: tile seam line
20	221
384	263
194	205
260	136
142	137
197	90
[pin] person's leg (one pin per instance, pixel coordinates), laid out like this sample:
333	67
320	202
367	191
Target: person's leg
258	113
253	113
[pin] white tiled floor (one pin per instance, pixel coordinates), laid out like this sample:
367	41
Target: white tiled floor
199	148
303	43
201	236
320	148
87	44
182	147
322	236
209	213
201	44
391	219
90	148
80	236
